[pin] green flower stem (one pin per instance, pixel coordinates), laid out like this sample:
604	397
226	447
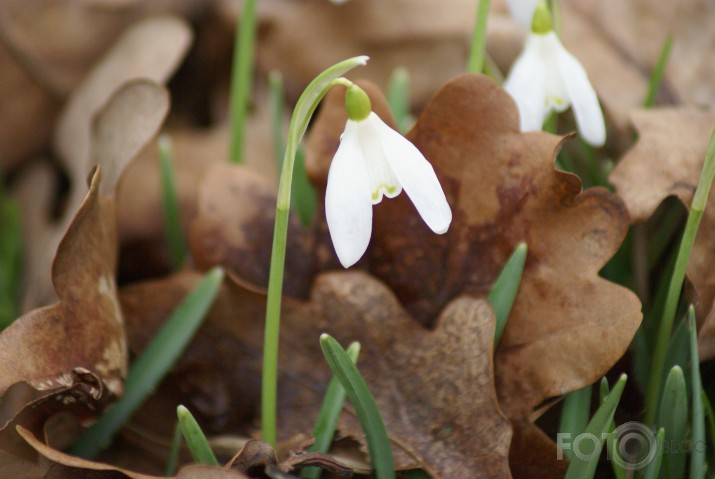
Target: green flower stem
172	218
479	39
241	78
676	282
656	78
307	103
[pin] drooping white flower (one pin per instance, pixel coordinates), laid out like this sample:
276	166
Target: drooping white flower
546	77
373	161
523	11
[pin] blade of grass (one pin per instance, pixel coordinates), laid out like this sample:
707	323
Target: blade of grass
195	438
697	427
398	96
241	78
328	416
574	414
710	415
479	39
172	461
503	293
695	215
303	197
656	78
673	416
611	443
153	364
652	471
10	259
277	108
172	217
585	467
378	443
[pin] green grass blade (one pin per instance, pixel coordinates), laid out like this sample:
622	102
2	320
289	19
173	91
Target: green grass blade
153	364
172	461
652	471
195	438
665	327
241	78
506	286
303	196
277	108
172	216
710	416
656	78
584	467
328	416
398	96
673	416
378	442
697	427
478	51
10	260
575	413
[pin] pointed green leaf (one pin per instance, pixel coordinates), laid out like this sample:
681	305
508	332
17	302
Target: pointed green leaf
195	438
378	442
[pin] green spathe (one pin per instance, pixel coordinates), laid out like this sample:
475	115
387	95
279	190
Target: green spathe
541	22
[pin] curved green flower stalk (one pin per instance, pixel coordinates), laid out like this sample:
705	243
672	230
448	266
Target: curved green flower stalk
307	103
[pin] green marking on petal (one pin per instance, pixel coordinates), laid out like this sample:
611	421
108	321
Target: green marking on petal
382	187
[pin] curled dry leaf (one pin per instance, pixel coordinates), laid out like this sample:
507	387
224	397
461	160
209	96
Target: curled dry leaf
676	140
151	49
70	351
65	466
666	160
568	326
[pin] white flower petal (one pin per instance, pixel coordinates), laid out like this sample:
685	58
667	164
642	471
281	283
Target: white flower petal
583	98
348	209
416	176
526	84
523	11
382	179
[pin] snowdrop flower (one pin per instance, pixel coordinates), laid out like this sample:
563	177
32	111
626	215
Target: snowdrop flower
523	11
546	77
373	161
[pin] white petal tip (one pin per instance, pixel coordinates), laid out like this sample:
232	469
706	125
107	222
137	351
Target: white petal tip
363	59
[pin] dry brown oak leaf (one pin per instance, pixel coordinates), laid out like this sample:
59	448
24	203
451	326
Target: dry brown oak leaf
151	49
74	349
666	161
568	325
435	389
54	464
